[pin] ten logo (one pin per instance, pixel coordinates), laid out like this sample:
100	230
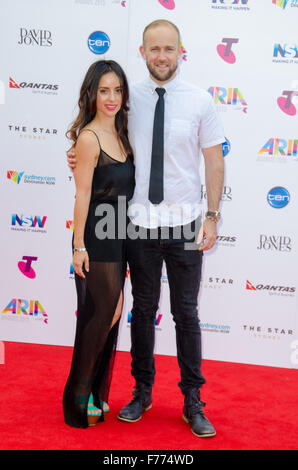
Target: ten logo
285	104
99	42
226	147
25	266
278	197
225	51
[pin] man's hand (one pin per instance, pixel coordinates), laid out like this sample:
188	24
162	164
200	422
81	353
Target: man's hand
71	157
207	235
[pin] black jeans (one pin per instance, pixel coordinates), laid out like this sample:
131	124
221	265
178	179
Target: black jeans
145	258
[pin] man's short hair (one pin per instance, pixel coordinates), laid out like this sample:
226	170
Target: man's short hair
156	23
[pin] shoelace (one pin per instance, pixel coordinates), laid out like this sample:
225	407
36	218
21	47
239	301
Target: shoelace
195	405
139	394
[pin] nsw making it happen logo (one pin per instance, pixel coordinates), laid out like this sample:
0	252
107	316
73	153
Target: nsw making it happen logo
236	5
278	197
99	42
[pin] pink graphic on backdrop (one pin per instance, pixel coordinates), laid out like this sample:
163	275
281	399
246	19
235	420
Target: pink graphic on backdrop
168	4
225	50
25	266
285	104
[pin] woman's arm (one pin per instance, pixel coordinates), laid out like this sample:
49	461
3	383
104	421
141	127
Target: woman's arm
86	153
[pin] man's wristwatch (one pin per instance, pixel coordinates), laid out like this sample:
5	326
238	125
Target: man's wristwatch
213	215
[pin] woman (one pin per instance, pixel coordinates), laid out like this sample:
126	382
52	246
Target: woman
103	173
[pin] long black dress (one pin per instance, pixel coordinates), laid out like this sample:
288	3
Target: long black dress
98	294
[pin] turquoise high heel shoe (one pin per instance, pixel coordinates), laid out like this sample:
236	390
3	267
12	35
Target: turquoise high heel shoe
94	413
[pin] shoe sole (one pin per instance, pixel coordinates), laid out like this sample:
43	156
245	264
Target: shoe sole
210	434
133	420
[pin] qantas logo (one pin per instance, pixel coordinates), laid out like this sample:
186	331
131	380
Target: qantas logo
33	85
249	286
270	288
12	83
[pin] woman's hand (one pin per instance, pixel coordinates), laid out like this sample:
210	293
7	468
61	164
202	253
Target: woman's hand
80	261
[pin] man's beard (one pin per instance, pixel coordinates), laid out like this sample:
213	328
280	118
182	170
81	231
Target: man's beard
161	77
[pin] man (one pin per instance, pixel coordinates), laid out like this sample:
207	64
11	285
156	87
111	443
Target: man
169	121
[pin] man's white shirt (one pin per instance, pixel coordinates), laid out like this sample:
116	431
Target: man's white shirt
191	124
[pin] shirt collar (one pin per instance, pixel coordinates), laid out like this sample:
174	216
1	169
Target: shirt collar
167	86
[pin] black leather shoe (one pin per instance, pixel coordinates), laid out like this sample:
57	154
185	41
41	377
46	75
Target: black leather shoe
142	401
194	415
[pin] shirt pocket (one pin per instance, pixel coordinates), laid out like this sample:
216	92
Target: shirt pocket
180	130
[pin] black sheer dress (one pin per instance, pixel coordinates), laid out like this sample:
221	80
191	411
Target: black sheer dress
98	294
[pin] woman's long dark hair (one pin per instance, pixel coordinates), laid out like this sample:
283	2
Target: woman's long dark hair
87	101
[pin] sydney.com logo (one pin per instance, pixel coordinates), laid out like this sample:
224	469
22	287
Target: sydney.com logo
284	3
17	177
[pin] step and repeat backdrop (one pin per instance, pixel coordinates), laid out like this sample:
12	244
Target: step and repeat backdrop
245	53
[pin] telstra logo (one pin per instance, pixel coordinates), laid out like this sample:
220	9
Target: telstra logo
168	4
25	266
285	102
225	50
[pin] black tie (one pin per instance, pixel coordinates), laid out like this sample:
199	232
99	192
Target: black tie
156	176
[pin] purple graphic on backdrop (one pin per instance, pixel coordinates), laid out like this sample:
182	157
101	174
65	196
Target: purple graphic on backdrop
225	50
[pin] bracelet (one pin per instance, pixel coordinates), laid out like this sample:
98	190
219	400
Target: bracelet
213	216
79	249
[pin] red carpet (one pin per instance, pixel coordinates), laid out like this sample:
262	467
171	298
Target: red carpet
251	407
